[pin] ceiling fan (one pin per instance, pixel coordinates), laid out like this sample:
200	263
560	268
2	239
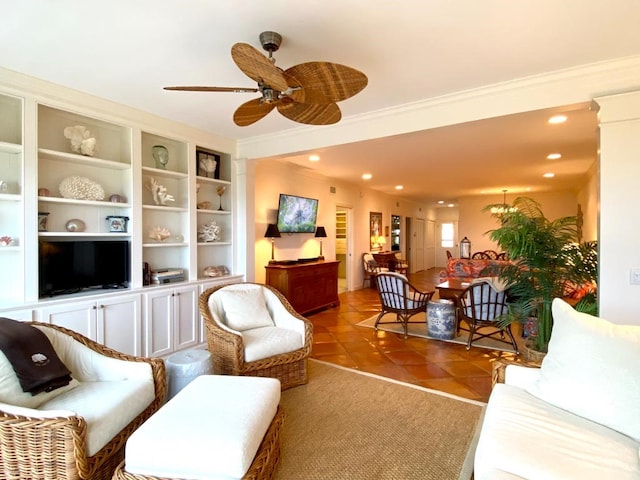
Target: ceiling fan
305	93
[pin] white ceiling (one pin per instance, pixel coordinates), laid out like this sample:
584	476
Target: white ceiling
411	50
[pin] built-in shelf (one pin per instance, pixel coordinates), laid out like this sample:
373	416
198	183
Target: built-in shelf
164	245
83	234
10	147
73	201
11	248
212	180
217	212
165	208
46	154
157	172
213	244
10	197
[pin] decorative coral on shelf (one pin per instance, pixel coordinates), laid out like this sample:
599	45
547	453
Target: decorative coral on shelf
209	232
159	234
81	188
159	192
81	140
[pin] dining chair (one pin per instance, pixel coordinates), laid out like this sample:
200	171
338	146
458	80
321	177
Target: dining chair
398	296
371	268
481	307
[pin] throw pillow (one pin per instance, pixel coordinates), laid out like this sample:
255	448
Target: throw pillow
592	369
245	308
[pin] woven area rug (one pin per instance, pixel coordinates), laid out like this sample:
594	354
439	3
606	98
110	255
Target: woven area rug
420	330
346	424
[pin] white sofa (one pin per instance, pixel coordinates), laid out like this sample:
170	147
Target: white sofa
77	431
575	417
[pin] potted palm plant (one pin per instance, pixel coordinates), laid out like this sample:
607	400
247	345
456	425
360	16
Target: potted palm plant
546	261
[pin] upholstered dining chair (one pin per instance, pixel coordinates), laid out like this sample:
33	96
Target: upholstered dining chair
252	329
480	307
77	432
371	268
398	296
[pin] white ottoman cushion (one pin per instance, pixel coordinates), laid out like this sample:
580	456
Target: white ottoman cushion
211	430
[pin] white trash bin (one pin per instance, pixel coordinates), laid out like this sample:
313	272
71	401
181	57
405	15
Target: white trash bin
185	366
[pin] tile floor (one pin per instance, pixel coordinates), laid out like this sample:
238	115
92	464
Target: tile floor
430	363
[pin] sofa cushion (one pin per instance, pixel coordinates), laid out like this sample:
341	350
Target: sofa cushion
525	437
107	407
266	342
11	392
244	307
592	369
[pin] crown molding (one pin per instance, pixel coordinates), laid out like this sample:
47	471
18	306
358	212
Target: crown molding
561	87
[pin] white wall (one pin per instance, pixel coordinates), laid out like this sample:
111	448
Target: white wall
474	224
619	214
273	177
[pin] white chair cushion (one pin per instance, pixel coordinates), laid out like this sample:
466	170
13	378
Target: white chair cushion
107	407
266	342
11	392
592	369
525	437
211	430
244	307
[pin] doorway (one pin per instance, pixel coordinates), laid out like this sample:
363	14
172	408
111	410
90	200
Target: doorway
343	248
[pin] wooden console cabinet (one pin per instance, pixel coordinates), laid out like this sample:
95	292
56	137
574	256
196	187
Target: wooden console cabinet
308	286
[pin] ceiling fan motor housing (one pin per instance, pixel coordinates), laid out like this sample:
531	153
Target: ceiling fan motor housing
270	41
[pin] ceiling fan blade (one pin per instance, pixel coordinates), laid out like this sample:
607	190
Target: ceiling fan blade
213	89
311	114
324	82
258	67
251	111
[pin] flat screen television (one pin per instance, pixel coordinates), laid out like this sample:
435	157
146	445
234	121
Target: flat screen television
74	266
297	214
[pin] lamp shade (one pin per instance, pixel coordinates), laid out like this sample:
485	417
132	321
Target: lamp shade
381	240
321	232
272	231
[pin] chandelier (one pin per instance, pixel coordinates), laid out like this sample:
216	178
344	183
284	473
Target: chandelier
504	208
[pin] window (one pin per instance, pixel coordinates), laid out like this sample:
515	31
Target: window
446	235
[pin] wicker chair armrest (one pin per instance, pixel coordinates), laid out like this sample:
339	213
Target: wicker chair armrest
499	369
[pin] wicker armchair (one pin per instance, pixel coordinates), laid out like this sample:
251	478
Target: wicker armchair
227	346
52	447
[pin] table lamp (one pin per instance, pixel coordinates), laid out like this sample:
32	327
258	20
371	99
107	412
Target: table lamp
272	232
381	241
320	233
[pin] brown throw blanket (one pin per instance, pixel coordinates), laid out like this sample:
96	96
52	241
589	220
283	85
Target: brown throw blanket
32	357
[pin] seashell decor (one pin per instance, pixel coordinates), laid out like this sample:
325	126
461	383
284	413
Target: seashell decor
81	140
81	188
209	232
159	234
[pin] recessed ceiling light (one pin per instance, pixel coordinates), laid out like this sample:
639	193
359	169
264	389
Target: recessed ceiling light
451	205
554	156
314	158
399	187
549	175
440	202
558	119
367	176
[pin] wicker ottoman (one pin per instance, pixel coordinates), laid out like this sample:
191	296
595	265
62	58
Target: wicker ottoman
218	426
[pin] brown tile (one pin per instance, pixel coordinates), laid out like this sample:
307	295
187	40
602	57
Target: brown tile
433	364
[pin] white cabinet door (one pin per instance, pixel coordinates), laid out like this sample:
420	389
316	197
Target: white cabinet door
119	321
158	323
186	317
78	316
